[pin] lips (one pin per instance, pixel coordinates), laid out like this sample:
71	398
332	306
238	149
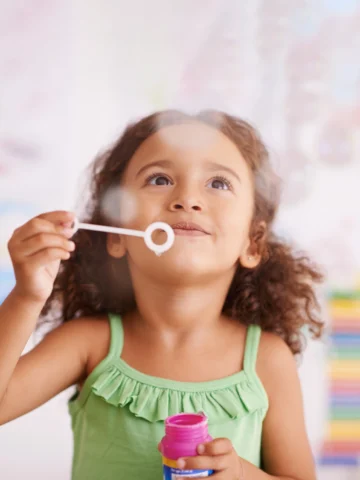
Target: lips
188	227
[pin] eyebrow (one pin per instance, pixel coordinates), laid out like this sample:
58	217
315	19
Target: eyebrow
217	166
157	163
168	163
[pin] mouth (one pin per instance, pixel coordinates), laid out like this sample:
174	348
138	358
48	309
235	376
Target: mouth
188	228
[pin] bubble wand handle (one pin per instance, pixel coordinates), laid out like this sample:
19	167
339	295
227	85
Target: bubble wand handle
147	235
102	228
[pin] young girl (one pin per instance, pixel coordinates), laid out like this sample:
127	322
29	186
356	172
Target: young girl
212	325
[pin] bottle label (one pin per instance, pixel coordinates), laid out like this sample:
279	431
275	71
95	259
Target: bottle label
173	473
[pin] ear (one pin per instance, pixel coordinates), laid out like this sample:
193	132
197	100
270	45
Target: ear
115	245
251	257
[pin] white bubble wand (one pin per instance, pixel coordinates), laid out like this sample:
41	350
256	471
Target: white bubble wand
147	235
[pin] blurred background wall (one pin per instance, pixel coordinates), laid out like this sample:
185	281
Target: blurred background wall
73	73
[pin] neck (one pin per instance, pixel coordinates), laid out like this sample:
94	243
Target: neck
179	309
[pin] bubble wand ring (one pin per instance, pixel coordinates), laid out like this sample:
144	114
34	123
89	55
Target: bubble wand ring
147	235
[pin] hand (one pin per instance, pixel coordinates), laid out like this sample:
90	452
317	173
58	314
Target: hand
36	250
218	455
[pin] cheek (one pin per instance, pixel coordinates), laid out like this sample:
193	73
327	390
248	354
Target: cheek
234	229
233	219
148	211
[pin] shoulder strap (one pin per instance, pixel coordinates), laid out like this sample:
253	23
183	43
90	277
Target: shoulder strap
251	347
116	335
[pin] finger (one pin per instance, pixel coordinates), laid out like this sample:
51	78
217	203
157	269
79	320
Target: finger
37	225
44	257
61	218
64	221
219	462
219	446
58	216
43	241
31	228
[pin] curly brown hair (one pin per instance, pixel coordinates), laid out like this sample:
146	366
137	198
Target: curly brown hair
278	295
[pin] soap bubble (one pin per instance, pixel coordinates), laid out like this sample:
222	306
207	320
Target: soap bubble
180	138
336	143
119	205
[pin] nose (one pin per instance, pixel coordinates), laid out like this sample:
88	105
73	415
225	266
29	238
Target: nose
186	200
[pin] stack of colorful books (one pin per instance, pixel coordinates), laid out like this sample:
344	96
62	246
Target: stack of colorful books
342	445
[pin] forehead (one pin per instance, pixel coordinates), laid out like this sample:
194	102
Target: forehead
188	142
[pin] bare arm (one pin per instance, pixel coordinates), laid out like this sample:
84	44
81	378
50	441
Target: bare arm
36	250
285	446
18	318
58	362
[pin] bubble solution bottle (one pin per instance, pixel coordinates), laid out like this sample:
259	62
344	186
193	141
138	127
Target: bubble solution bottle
183	433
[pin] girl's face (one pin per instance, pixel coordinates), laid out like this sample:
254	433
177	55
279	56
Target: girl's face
195	179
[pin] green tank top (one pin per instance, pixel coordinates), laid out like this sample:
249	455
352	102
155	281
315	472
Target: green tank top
118	416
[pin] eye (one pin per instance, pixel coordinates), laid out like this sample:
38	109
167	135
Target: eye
220	183
158	179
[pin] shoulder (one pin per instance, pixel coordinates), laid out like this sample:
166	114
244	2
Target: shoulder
89	334
83	327
273	350
276	364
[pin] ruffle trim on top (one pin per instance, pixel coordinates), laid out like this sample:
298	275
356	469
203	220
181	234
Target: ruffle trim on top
156	403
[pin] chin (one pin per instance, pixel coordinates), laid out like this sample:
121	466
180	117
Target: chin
183	266
183	269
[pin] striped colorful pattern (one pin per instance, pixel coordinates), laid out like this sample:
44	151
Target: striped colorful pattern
342	445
